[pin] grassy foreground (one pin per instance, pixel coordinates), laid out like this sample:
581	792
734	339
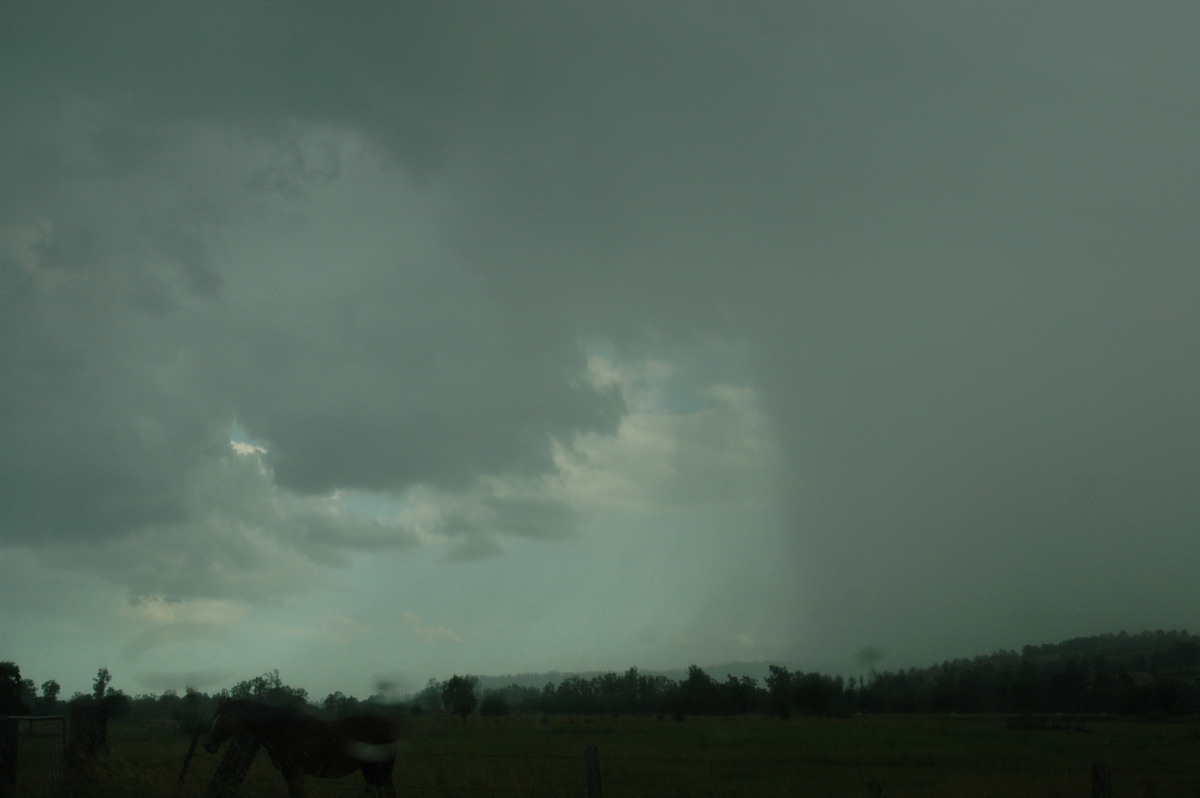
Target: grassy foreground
740	756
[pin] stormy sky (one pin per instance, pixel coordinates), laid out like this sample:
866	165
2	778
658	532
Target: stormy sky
383	341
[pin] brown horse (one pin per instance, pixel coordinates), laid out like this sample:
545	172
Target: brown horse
300	744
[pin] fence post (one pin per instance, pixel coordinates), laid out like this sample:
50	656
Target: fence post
591	759
88	737
1101	780
8	755
188	760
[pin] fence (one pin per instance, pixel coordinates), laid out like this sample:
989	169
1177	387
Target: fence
33	752
635	777
157	757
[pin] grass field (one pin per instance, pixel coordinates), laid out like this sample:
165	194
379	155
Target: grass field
740	756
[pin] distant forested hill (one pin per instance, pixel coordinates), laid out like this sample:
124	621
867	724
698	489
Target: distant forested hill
754	670
1151	652
1150	672
1146	674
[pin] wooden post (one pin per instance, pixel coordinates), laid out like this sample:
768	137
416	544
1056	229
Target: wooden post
1101	780
188	760
8	755
87	738
591	759
239	754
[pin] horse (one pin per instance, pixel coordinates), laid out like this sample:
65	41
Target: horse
300	744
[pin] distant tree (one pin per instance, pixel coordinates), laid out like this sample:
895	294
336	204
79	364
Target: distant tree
189	711
493	704
100	684
340	705
577	694
269	688
167	704
429	699
629	697
815	694
29	695
698	692
143	707
549	698
779	689
12	690
50	691
458	695
116	703
738	696
516	697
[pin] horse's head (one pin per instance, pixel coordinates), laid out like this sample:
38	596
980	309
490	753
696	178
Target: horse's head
225	723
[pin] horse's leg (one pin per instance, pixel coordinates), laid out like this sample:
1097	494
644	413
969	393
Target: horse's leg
378	776
294	776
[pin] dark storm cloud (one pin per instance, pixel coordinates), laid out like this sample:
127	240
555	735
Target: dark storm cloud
132	342
957	243
426	380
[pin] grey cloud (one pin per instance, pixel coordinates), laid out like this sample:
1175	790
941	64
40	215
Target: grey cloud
88	446
413	381
473	548
532	518
476	525
956	243
144	644
239	535
129	358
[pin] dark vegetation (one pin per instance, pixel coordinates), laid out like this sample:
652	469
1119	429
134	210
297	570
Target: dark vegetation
1148	674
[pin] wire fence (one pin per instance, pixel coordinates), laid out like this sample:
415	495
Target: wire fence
163	766
624	776
32	755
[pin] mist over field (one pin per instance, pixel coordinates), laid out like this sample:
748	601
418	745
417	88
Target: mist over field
380	343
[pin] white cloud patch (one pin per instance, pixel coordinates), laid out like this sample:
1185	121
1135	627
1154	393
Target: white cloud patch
719	451
716	453
431	633
247	449
159	609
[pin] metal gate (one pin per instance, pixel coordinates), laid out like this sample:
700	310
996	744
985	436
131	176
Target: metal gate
32	755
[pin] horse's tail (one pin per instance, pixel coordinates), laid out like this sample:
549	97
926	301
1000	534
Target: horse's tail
372	737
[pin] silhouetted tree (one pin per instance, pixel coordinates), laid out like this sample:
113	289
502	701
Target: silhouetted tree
738	696
100	684
13	699
192	711
815	694
49	701
458	695
493	704
116	703
340	705
577	694
698	692
779	688
429	699
270	689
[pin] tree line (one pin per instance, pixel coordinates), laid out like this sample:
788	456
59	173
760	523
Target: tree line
1153	673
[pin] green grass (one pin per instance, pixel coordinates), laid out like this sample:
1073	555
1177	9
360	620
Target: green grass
711	757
